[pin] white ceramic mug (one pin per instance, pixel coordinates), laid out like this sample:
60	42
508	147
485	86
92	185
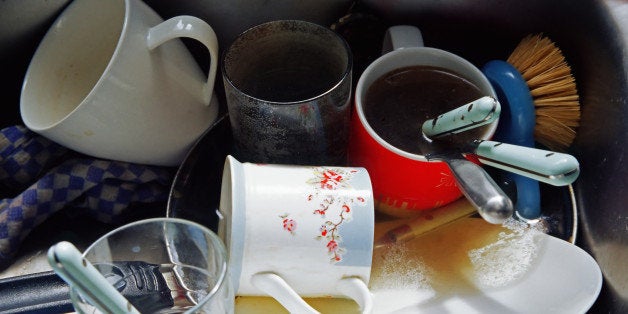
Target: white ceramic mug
110	79
294	231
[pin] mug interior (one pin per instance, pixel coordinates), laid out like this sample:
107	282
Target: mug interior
287	61
424	56
70	60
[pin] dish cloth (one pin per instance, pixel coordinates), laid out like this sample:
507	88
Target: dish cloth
48	177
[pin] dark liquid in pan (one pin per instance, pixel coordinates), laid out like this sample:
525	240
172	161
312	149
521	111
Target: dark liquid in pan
397	104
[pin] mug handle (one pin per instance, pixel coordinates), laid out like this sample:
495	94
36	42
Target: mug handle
356	289
279	289
191	27
401	36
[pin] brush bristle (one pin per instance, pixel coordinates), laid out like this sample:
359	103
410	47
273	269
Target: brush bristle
553	88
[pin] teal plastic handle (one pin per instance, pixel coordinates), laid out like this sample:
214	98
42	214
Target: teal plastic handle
66	260
479	112
554	168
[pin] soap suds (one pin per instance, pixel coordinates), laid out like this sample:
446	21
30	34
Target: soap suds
398	271
508	258
400	281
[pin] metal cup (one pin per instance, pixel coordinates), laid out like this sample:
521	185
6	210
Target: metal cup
288	88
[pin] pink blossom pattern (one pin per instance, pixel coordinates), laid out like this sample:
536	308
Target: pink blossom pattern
334	209
289	225
326	179
329	232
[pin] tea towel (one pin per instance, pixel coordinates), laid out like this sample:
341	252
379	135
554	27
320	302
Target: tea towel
48	177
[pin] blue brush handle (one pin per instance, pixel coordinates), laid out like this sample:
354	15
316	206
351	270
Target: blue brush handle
516	126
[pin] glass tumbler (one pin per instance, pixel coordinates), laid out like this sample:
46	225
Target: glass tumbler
163	265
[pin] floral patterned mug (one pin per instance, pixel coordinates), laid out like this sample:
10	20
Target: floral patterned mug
294	231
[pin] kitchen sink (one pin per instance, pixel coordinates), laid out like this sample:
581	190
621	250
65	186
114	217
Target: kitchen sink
593	35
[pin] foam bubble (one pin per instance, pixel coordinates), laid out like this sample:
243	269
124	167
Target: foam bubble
398	271
400	281
508	258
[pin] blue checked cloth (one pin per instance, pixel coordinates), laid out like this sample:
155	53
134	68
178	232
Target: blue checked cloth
48	177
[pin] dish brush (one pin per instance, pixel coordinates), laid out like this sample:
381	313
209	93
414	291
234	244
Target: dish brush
540	102
553	88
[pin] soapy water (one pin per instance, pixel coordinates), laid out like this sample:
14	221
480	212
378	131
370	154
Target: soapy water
399	281
507	259
398	271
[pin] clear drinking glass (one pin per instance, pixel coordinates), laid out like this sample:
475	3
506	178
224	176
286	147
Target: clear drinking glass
163	265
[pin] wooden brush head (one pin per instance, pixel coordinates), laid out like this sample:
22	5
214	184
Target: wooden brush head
553	88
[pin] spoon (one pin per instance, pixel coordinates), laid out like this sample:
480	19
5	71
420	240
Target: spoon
477	186
66	260
542	165
550	167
